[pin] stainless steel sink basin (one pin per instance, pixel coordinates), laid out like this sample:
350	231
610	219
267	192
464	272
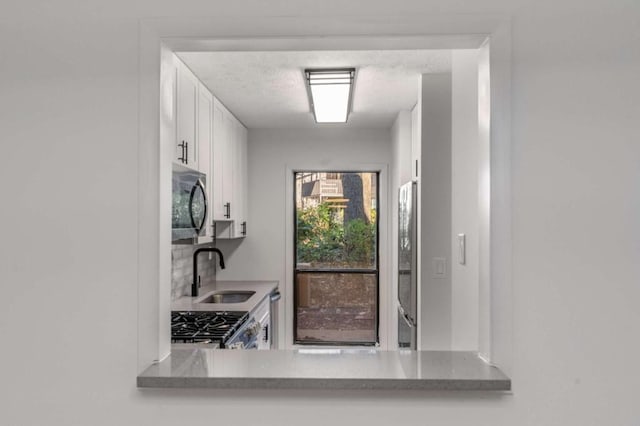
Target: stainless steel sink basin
228	296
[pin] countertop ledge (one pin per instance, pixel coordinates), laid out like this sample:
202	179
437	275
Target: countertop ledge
324	369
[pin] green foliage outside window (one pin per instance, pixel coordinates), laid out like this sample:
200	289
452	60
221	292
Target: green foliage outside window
324	240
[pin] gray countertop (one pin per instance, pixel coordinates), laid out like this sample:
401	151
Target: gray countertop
323	368
195	366
262	289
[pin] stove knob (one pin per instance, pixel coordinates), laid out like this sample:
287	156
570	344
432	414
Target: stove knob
253	329
249	331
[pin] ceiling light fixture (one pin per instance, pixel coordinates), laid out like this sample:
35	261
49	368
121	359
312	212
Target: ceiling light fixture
330	93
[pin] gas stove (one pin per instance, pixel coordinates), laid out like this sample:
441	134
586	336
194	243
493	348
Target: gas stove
207	327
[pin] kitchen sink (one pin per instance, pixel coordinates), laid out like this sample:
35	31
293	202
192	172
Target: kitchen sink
228	296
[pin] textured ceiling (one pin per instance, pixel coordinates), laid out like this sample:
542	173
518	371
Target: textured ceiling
267	89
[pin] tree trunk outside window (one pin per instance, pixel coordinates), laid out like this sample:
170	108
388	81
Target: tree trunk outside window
357	190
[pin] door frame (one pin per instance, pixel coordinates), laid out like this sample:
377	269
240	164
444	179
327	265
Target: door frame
385	294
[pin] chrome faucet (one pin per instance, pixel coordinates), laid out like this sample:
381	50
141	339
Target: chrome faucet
196	278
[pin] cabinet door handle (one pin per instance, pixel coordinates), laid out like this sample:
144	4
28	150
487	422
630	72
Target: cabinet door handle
184	157
186	148
244	228
228	210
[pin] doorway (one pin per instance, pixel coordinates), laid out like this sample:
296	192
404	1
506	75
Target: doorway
336	251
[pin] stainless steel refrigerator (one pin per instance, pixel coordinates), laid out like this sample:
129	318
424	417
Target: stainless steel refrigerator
407	266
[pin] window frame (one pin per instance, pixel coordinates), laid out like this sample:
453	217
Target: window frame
361	271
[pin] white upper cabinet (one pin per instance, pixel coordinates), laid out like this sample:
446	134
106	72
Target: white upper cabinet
229	173
210	139
205	142
205	129
416	140
239	213
187	117
244	176
222	162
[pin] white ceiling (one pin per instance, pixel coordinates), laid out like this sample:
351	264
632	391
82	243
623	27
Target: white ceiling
267	89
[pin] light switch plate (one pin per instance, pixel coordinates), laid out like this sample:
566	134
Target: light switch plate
439	267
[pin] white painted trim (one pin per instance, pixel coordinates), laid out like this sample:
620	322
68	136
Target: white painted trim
271	44
484	203
149	346
434	30
500	262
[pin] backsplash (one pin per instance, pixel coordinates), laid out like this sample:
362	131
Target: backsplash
182	269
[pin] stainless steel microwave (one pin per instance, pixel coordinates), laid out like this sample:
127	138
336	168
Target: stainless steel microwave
189	204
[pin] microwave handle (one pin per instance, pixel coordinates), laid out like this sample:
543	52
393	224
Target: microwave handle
200	226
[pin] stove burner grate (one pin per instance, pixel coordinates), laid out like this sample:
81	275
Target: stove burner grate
205	326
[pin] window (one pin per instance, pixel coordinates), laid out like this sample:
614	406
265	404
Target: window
336	277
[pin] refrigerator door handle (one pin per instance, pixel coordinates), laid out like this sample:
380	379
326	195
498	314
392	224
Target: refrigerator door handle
407	331
406	316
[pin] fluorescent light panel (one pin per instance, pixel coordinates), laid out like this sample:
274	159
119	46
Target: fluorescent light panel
330	94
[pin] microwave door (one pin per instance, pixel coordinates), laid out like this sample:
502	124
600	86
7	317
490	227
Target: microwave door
181	214
189	205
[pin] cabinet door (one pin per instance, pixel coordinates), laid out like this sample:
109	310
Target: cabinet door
205	129
229	173
240	181
187	107
237	182
218	155
223	163
205	141
228	164
416	141
244	179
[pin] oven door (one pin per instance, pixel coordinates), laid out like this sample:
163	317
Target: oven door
246	337
251	343
264	337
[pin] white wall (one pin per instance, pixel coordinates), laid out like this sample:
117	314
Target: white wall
464	199
68	114
434	226
264	253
